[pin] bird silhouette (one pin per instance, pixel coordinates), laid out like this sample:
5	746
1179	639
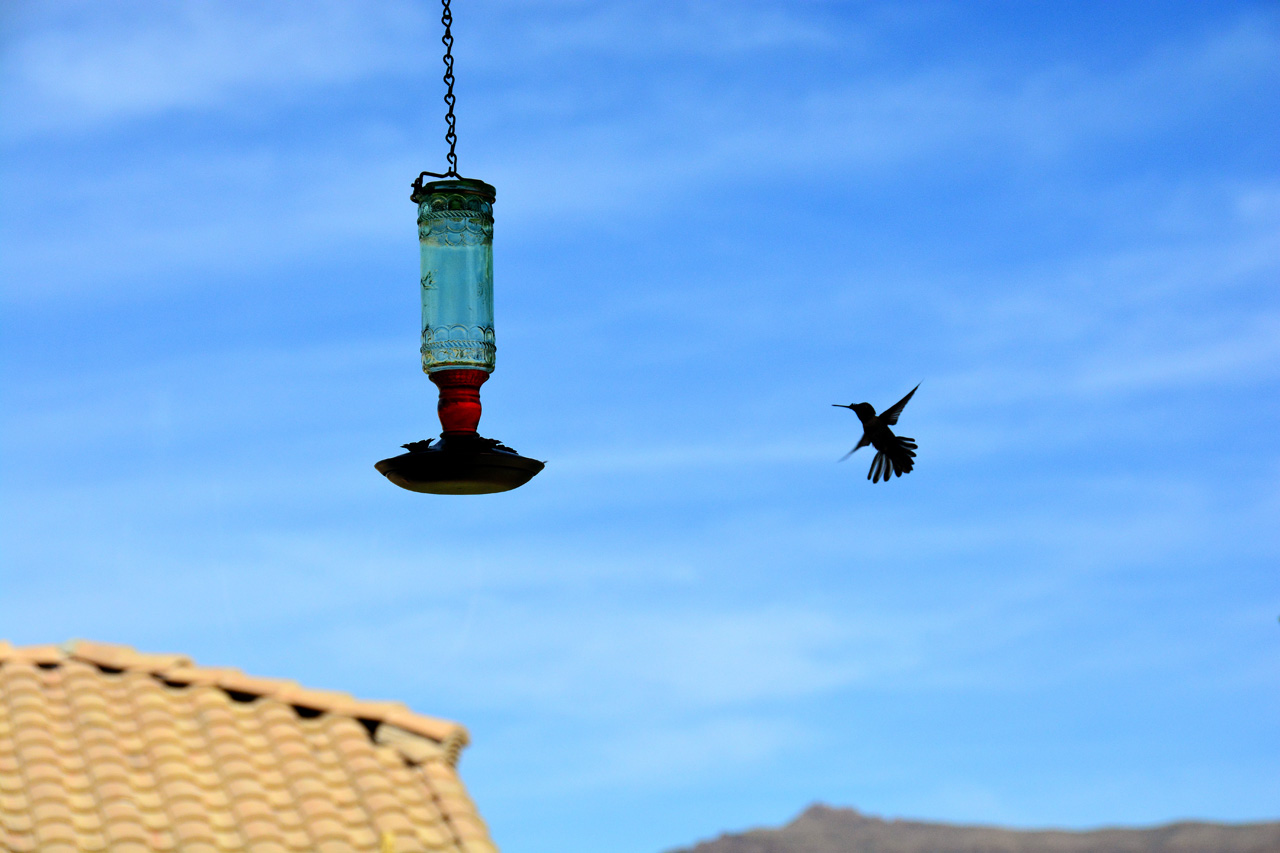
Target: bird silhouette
896	453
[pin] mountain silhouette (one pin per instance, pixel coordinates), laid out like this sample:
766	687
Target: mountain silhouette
822	829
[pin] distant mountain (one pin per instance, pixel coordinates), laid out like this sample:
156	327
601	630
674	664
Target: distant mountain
822	829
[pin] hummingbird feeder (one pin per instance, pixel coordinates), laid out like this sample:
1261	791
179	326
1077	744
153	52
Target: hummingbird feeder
455	235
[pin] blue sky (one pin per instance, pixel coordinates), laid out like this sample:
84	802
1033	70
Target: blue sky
713	221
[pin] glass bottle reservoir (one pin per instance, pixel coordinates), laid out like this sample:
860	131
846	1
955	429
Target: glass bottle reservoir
455	236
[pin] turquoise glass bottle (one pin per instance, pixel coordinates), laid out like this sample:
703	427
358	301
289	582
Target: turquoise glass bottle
455	235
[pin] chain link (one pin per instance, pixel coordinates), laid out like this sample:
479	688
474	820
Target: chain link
446	18
451	136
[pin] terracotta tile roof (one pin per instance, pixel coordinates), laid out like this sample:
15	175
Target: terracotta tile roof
105	748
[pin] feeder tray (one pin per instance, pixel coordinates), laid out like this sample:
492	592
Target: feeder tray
459	465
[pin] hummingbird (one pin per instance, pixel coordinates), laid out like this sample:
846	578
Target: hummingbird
895	453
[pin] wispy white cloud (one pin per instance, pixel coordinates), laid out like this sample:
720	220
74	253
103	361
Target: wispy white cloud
1241	356
555	30
876	125
83	64
79	65
162	224
692	752
602	658
261	205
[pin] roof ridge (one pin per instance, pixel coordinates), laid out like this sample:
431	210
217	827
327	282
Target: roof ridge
180	668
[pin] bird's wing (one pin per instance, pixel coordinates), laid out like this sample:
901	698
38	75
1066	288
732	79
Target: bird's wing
862	442
890	415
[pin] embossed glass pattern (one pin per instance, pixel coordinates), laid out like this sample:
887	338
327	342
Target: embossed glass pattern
455	233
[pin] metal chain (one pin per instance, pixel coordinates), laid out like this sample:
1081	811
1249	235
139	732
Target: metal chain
451	137
446	18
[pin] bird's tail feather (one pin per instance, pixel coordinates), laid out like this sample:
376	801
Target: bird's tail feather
881	468
895	462
877	462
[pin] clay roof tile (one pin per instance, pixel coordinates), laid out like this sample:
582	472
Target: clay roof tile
121	657
49	654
